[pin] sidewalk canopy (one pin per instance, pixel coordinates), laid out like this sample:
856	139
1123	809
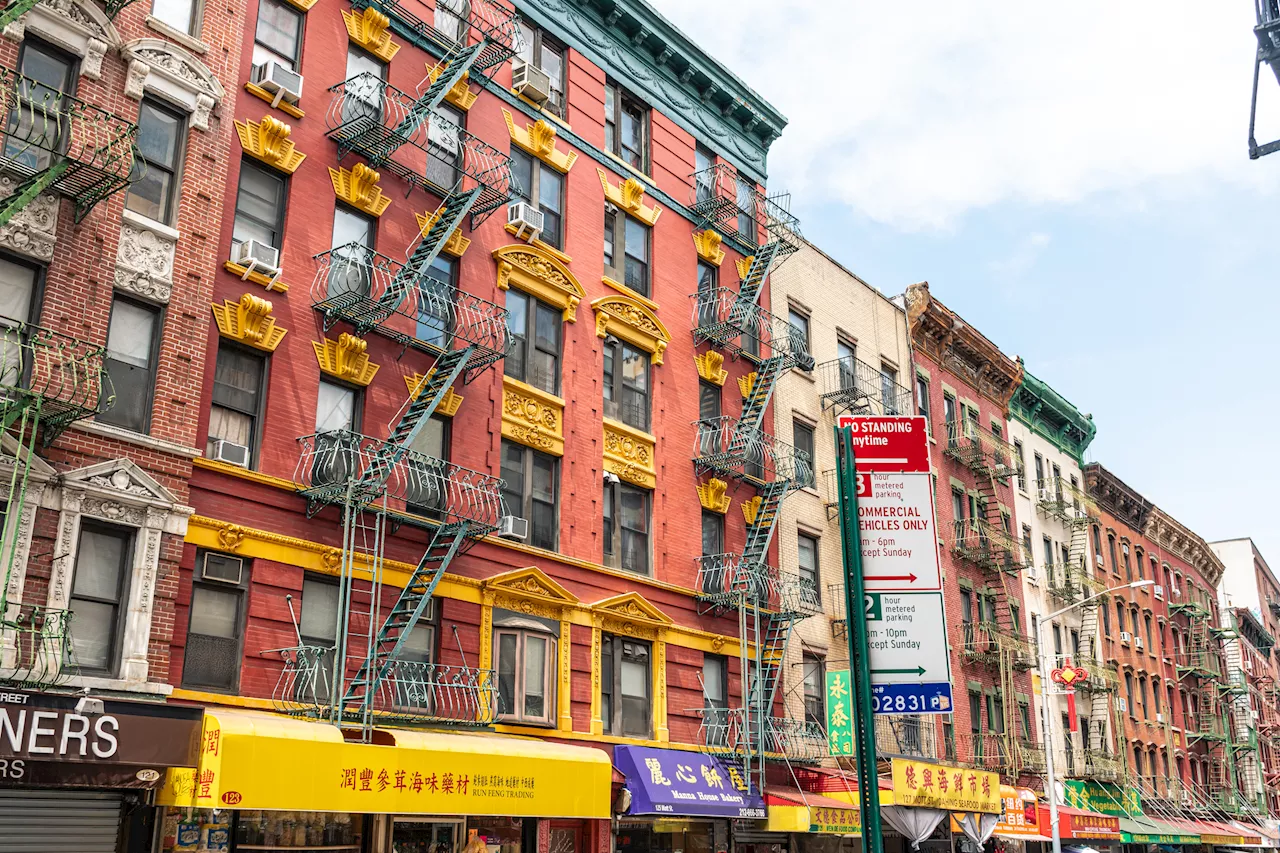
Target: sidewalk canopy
1145	830
255	760
793	810
1078	823
676	782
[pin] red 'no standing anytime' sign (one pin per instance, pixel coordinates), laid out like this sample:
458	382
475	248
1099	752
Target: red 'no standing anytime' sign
889	444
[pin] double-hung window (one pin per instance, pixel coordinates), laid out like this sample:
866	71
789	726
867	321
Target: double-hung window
745	201
19	302
318	628
949	419
181	15
712	533
626	527
452	19
99	593
626	127
364	89
214	629
525	653
626	384
708	294
155	178
543	187
530	490
847	365
437	298
260	203
799	330
337	418
710	427
38	125
807	561
626	250
703	161
351	254
715	699
802	438
236	409
133	338
444	146
545	53
814	689
889	389
278	36
427	469
625	687
534	356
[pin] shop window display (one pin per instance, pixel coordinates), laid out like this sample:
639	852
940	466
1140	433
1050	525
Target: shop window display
666	835
226	831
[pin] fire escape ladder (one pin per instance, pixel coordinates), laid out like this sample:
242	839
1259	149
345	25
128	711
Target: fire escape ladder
753	407
753	282
1267	31
453	68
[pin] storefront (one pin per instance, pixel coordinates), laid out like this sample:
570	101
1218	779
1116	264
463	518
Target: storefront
1083	829
1140	831
270	783
75	771
816	823
1017	826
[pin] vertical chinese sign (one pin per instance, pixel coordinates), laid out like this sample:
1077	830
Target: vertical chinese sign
839	713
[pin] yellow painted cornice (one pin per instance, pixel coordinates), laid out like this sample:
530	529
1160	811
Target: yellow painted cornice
744	265
544	246
629	196
249	321
633	322
358	187
302	5
460	94
714	495
346	359
284	106
539	139
456	245
242	272
530	582
711	367
268	141
371	30
626	291
539	273
629	453
708	245
746	383
244	473
532	417
449	404
751	508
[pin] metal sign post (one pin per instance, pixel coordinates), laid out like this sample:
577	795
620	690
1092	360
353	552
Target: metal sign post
859	649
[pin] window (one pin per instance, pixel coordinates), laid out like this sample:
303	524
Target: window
1151	640
543	52
626	527
178	14
814	689
703	161
37	126
745	199
98	595
1128	692
452	18
1039	461
975	716
949	418
1111	553
957	508
1024	718
626	127
626	384
889	389
626	250
426	472
1097	540
363	90
712	533
336	408
1124	555
966	606
543	187
19	284
260	202
1048	553
1142	695
318	628
525	666
132	349
802	438
708	294
1120	616
444	146
351	261
995	713
715	699
155	171
922	401
1075	645
799	330
807	559
1021	462
278	36
437	298
530	491
1057	643
534	357
236	408
1106	622
709	413
213	650
1141	564
625	686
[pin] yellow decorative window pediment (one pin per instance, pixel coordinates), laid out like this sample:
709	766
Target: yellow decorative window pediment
746	383
449	404
744	265
539	273
460	94
539	139
358	187
708	243
714	495
632	322
629	195
456	245
532	417
711	367
751	508
346	359
632	607
302	5
268	141
629	453
371	30
530	582
249	321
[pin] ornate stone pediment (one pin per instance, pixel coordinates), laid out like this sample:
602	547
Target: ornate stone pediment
633	322
123	480
79	26
631	614
529	582
178	73
539	274
33	230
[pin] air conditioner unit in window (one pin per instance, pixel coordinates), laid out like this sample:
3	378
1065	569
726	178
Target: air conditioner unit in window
256	256
1159	592
230	452
526	219
530	81
1122	704
222	568
1099	561
1137	643
282	82
1159	717
1125	636
1176	591
1248	665
513	527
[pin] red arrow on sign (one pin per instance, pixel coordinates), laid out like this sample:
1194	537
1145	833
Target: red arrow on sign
910	578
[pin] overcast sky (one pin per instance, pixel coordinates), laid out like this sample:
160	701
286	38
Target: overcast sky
1073	178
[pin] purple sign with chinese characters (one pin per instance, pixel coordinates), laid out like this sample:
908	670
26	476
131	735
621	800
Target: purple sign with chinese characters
673	782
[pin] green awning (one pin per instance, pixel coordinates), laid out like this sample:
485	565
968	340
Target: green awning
1145	830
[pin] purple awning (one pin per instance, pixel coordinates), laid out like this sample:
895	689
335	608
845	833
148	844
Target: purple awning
675	782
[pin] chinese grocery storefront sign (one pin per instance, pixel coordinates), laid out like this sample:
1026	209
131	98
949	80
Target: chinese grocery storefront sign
839	713
1101	797
835	821
918	783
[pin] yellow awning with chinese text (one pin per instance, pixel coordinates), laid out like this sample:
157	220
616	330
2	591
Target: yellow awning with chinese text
793	810
252	760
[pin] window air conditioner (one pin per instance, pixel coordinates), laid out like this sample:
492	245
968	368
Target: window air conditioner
222	568
1099	561
513	527
1159	592
1137	643
1159	717
530	81
230	452
1177	591
1125	636
1248	665
258	257
526	219
282	82
1122	704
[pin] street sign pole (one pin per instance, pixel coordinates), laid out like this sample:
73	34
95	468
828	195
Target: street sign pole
859	648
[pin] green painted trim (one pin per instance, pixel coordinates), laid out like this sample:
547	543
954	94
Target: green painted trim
965	583
1023	698
958	484
1051	416
922	371
947	390
974	687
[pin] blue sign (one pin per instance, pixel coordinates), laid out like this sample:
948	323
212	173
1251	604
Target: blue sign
931	698
675	782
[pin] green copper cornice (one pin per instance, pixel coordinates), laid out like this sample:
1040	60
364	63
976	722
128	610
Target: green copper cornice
1050	415
649	56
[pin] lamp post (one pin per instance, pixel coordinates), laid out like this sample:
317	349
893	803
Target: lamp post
1046	715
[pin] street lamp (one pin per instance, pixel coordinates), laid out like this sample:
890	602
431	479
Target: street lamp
1047	716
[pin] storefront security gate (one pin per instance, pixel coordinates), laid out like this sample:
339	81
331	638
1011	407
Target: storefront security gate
59	822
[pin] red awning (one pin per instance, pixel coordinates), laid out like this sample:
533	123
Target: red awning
1078	823
779	795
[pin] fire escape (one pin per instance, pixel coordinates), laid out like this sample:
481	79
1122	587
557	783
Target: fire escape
380	484
1267	32
768	601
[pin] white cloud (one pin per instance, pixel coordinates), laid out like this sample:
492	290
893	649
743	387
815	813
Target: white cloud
1023	257
916	113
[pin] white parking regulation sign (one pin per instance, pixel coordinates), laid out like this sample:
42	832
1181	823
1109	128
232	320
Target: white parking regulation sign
896	526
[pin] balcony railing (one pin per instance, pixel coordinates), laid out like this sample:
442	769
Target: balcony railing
723	731
979	449
986	751
482	20
1095	764
725	579
906	736
62	376
372	291
733	205
720	318
1071	582
1192	605
1060	498
344	468
88	152
1104	676
852	384
725	446
422	147
978	642
989	546
35	647
412	691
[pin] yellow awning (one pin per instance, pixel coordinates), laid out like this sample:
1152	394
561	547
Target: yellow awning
255	760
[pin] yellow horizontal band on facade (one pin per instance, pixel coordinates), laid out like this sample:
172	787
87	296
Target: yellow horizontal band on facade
254	760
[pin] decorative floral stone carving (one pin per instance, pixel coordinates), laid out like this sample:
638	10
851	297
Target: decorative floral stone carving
629	453
629	195
539	139
268	140
358	187
536	272
532	417
371	30
708	245
250	322
144	262
33	231
714	495
633	322
711	367
231	536
346	358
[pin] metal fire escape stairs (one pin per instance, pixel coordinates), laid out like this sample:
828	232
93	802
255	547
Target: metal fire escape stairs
1267	31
